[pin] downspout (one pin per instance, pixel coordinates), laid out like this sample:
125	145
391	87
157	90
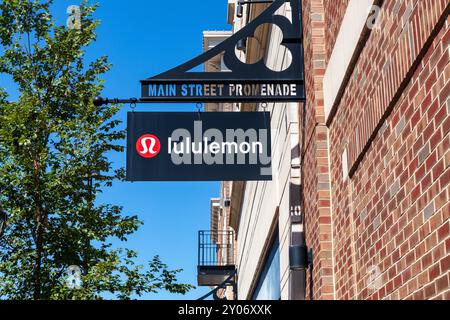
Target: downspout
299	258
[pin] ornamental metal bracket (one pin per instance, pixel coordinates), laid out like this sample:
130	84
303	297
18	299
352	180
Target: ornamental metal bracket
243	82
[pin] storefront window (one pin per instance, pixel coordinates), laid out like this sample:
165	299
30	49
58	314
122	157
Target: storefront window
269	282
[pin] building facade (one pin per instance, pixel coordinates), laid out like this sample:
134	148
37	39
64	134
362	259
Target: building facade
362	168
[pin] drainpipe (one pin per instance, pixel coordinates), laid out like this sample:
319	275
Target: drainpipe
300	259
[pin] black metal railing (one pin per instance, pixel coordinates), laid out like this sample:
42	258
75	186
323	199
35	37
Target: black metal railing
215	248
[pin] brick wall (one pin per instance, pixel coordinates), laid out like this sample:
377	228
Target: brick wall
334	12
387	235
316	179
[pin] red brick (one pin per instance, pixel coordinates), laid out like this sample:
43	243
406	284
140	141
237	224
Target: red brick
427	260
442	283
445	93
445	178
441	115
444	231
441	199
434	271
446	125
419	295
445	264
443	62
429	291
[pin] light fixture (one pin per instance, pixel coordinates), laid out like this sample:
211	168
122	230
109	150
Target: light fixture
240	9
298	251
299	259
242	44
240	5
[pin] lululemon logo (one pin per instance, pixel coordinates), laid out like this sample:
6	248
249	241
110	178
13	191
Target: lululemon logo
148	146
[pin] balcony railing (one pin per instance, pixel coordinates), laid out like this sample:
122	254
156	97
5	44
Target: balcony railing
215	257
216	248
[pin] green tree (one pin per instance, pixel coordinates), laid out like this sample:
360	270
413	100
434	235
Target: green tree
53	163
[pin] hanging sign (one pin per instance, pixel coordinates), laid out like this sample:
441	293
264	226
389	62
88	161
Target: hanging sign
212	146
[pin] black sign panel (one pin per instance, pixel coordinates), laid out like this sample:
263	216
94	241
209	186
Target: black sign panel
210	146
222	91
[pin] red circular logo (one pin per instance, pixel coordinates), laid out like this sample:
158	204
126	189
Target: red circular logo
148	146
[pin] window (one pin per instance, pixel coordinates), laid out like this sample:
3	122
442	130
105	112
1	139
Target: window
269	287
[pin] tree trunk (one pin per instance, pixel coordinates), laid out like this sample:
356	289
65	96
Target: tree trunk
38	262
40	225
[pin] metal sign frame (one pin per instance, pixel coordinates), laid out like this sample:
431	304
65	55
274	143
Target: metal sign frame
168	86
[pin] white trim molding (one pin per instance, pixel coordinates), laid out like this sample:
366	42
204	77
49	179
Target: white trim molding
353	25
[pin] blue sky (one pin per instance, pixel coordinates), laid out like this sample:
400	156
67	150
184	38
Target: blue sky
143	38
